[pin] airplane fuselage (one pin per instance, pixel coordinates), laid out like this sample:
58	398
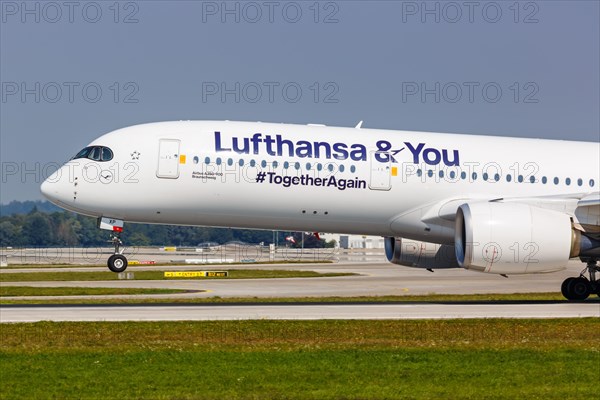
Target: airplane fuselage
314	178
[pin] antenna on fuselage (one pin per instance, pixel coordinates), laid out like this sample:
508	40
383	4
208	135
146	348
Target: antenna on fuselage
359	125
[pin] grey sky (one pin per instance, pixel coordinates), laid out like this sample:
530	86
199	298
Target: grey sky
352	60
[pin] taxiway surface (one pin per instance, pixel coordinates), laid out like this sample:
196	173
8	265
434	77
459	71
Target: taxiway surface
297	312
371	279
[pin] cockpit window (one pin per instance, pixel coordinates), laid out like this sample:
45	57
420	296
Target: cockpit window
107	154
83	153
96	153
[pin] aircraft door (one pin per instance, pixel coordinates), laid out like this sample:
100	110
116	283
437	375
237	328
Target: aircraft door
168	158
381	172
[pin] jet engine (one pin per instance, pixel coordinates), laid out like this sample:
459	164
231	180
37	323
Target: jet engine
511	238
413	253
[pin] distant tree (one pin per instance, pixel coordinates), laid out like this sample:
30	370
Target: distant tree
37	230
67	232
25	207
9	234
30	224
139	239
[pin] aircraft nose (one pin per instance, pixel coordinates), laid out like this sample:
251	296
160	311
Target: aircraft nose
55	189
45	189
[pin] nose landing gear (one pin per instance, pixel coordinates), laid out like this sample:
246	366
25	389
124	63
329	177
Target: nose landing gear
117	262
581	287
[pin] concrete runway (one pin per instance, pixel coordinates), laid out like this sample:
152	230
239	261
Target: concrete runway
297	312
374	279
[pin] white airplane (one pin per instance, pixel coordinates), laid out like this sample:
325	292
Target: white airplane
490	204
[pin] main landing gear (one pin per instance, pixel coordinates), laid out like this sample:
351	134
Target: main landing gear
580	288
117	262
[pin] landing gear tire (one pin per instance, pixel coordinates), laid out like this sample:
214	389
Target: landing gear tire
565	289
576	288
580	288
117	263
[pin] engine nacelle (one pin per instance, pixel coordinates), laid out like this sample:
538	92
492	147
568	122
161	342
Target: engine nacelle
416	254
511	238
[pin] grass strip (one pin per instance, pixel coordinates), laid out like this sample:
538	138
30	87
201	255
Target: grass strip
459	359
167	264
431	298
79	291
157	275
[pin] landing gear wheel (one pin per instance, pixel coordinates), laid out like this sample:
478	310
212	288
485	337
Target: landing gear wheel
117	263
565	288
579	289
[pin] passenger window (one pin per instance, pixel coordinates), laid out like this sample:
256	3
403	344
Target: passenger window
592	183
352	169
241	162
508	178
196	160
556	181
532	179
568	181
544	180
308	166
263	164
286	165
342	168
207	160
579	182
497	177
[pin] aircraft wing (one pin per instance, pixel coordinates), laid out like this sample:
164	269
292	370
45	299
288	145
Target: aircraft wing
583	207
588	213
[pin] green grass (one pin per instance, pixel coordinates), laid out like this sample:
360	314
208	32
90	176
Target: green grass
79	291
432	298
159	264
460	359
155	275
